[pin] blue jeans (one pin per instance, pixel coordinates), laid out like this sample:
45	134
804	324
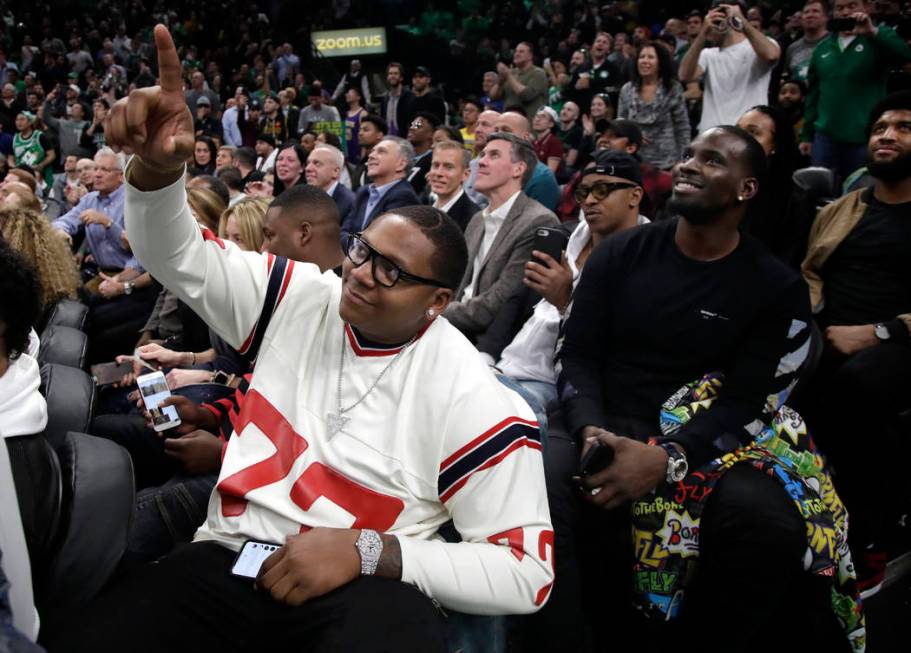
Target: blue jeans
166	516
843	158
538	395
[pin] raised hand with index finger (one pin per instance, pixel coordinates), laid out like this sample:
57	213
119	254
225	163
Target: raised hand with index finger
154	123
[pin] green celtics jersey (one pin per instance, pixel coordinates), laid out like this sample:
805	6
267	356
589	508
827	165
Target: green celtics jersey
31	151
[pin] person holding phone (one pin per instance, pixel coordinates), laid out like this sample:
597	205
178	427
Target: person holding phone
852	62
500	236
359	481
737	72
659	308
521	341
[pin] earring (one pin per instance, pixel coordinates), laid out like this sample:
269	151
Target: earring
431	313
740	198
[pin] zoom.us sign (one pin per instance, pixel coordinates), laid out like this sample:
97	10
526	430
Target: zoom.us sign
349	42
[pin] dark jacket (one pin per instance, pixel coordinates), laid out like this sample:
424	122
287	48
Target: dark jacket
417	176
344	200
403	112
358	170
429	103
401	194
463	211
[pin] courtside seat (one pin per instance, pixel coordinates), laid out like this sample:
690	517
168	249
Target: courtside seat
70	394
63	345
68	313
818	183
75	493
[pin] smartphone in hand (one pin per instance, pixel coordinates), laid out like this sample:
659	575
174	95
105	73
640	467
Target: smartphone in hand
108	373
596	459
154	389
550	241
837	25
251	557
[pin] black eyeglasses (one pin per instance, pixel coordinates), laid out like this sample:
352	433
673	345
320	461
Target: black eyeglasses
599	190
385	272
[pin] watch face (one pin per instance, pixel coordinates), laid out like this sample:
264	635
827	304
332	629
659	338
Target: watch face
680	470
882	332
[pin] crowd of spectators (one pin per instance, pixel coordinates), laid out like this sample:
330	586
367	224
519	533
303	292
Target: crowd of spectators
580	222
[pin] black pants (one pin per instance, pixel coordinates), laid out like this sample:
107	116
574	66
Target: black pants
114	324
151	465
188	601
750	585
852	407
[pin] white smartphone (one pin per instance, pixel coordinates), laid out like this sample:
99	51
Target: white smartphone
154	389
251	557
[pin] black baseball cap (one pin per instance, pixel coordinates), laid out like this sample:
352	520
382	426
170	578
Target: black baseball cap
626	129
615	164
421	71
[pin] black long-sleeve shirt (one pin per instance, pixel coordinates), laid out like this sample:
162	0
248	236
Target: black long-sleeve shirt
646	320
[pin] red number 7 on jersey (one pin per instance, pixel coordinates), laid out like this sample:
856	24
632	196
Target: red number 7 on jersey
370	509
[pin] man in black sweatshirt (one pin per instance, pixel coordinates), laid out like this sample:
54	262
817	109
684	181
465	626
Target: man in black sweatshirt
656	308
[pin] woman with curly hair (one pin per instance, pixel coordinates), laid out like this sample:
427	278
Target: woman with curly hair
30	234
654	101
242	223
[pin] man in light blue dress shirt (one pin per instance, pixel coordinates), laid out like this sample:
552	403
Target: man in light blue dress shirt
122	294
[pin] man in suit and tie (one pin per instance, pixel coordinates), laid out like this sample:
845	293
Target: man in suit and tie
324	165
388	163
500	237
448	172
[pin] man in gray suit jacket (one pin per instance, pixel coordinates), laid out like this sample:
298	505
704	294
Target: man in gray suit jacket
500	237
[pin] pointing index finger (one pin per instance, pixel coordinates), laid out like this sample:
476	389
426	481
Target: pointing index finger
169	68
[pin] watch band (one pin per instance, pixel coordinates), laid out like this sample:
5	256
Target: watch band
370	547
677	466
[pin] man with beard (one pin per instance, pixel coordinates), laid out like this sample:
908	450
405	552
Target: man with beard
857	266
663	312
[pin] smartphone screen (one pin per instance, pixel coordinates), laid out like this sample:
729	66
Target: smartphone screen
251	557
154	389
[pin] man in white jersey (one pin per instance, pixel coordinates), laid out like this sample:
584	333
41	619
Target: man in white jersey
368	423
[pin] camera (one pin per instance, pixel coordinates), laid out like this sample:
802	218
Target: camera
732	22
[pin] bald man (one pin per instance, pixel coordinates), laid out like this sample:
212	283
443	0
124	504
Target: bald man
543	184
324	167
486	125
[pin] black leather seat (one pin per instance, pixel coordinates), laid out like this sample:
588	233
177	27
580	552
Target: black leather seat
70	394
818	183
63	345
68	313
75	494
